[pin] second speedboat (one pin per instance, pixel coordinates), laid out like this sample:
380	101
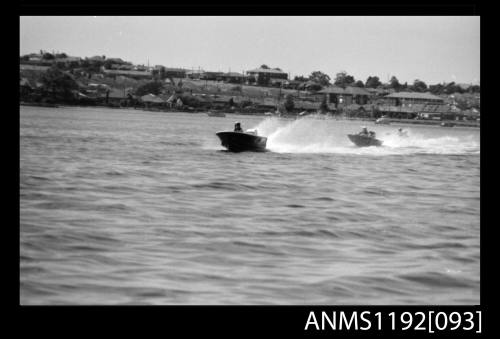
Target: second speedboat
364	140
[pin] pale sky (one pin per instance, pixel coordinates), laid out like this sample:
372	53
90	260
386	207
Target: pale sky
433	49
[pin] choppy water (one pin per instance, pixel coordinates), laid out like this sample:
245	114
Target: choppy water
134	207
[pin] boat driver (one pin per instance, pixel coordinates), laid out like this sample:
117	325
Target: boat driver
237	127
364	131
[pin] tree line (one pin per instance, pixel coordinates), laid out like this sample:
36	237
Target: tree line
343	79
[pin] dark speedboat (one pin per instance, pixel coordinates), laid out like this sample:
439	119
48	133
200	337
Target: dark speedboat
242	141
364	140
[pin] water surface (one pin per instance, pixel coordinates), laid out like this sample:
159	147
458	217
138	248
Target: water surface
134	207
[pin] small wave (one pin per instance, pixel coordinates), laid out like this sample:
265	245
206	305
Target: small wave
438	245
228	186
295	206
304	233
151	293
324	199
114	173
112	207
179	143
248	244
36	177
24	270
55	205
374	191
436	279
327	233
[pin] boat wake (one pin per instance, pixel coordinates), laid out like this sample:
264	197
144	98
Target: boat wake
330	136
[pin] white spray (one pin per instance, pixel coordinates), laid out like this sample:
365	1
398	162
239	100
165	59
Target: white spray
309	135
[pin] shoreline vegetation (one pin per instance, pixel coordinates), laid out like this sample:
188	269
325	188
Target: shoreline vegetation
52	80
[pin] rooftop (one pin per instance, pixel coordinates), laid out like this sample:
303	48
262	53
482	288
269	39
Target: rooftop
25	67
118	60
234	74
172	69
195	71
376	90
213	72
25	82
345	91
418	108
265	70
152	98
116	93
414	95
127	72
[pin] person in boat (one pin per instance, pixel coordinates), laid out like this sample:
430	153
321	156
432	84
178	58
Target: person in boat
364	131
237	127
402	132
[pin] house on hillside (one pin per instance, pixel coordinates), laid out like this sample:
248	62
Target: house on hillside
398	112
292	84
35	68
69	61
377	92
356	110
266	103
25	88
221	101
113	73
37	62
410	98
265	76
122	67
140	68
94	90
110	96
118	61
97	58
272	73
175	72
440	111
35	57
346	96
204	101
425	111
209	75
310	86
151	100
306	106
194	74
471	114
234	77
277	82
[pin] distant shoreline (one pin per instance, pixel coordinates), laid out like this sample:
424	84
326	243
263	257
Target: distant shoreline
392	121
